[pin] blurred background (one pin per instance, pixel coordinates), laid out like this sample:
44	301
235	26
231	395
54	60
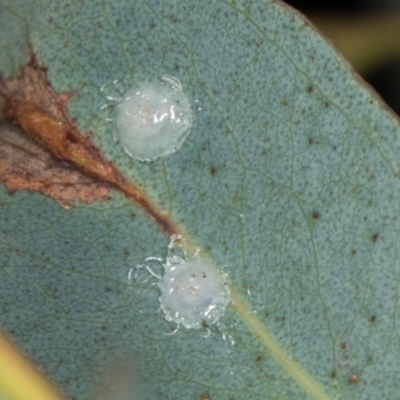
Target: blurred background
368	34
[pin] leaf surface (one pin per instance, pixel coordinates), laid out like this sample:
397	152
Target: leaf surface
288	180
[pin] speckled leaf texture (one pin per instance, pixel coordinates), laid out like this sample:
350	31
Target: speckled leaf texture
289	180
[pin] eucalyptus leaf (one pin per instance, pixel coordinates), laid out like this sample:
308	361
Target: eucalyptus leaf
288	182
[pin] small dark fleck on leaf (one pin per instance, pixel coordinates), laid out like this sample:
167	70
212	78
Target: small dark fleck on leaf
333	374
315	215
258	358
310	141
372	318
309	89
204	324
212	171
343	345
374	237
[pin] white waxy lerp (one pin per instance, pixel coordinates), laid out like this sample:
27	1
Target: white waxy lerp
153	118
193	293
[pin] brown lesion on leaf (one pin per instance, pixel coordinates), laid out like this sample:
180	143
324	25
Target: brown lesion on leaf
374	237
30	103
25	165
32	86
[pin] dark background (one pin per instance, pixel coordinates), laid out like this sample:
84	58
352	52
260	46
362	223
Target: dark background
385	78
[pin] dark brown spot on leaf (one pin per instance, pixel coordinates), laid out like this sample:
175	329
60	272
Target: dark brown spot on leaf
204	324
309	89
374	237
333	374
343	345
372	318
212	171
315	215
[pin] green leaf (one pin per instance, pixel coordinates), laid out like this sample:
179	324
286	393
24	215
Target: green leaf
289	180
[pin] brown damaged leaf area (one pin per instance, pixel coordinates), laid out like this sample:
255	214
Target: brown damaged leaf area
25	165
30	103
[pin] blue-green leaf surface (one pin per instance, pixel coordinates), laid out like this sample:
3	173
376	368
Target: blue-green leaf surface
289	179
